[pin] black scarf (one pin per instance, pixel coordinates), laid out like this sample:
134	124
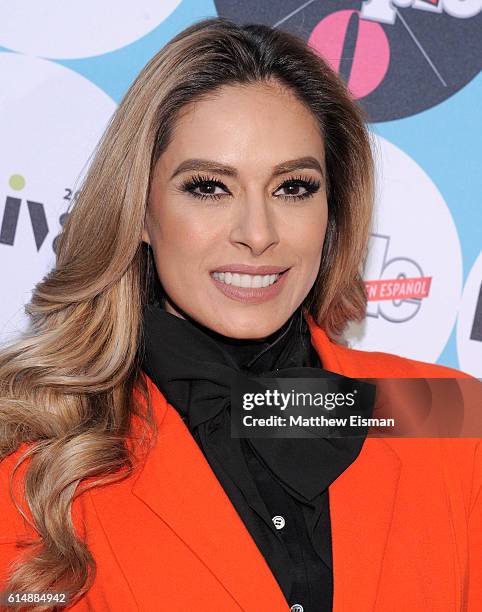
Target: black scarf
194	367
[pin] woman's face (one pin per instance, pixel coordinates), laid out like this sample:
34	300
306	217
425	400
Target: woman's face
242	183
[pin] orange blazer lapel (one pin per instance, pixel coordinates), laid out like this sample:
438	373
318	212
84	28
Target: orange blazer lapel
178	485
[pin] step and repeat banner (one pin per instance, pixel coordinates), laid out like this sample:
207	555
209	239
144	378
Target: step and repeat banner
413	64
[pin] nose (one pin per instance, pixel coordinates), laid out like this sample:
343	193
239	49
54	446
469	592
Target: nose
254	224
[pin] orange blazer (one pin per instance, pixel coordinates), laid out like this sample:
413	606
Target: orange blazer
406	521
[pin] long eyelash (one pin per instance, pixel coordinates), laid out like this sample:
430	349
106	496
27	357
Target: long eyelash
310	184
199	179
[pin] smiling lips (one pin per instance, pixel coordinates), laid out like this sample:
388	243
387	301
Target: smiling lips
263	284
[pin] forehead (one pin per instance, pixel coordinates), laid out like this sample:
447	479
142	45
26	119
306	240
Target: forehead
253	125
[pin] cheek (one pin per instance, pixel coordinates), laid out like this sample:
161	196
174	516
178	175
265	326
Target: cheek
308	242
308	237
182	245
172	226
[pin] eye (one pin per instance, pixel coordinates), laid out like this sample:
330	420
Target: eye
300	188
207	187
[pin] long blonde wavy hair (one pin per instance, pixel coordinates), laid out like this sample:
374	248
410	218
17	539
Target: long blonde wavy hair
67	382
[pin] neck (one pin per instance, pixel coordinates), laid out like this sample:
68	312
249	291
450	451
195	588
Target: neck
167	305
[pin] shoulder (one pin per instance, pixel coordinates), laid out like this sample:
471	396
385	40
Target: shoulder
380	364
376	364
459	458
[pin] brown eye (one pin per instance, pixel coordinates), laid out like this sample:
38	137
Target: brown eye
294	189
206	187
299	188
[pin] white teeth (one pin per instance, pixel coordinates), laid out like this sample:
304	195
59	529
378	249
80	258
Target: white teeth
247	281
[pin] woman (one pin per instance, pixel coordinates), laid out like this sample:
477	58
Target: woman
236	150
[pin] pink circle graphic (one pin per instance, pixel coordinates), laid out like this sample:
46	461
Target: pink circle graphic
371	56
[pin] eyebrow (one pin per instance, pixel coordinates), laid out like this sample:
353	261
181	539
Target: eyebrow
207	165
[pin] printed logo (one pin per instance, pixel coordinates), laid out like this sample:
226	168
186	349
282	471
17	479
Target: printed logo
51	121
399	284
383	49
38	219
36	210
413	270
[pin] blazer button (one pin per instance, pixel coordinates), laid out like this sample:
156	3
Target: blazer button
296	608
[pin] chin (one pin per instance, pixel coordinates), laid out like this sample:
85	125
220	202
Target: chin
251	330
